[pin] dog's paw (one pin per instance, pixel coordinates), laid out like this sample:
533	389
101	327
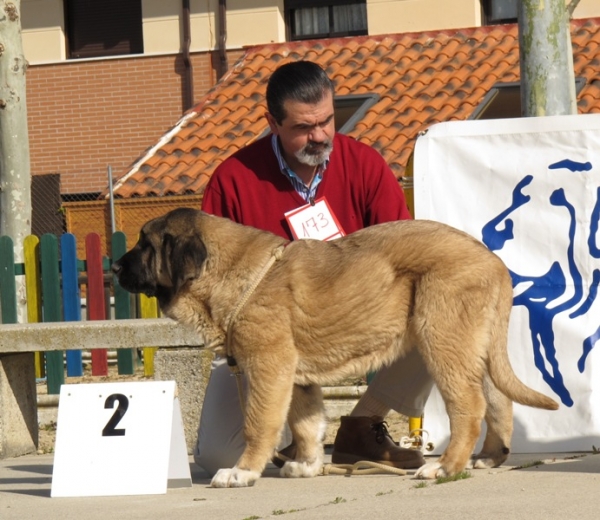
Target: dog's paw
294	469
482	461
234	477
431	470
482	464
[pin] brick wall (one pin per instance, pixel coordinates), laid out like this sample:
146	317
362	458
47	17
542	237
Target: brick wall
86	115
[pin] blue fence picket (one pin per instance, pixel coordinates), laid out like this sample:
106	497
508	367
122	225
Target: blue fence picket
71	297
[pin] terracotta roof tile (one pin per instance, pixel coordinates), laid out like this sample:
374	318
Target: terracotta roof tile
421	78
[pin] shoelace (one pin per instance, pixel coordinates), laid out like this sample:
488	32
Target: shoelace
381	431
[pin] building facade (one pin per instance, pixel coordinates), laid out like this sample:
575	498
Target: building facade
104	83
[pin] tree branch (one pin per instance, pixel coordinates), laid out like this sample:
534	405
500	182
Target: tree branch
571	7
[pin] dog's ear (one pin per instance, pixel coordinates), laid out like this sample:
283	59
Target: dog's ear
183	258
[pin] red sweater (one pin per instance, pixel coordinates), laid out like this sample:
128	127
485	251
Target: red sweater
359	186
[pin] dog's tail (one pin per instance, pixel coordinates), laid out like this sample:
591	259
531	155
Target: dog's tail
498	363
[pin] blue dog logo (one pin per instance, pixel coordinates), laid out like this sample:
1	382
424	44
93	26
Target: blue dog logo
560	287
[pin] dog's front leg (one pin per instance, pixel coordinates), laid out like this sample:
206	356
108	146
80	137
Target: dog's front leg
307	422
268	399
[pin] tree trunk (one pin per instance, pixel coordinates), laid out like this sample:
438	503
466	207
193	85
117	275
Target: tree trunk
15	174
547	78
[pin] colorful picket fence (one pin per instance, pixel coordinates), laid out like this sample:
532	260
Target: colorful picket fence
53	282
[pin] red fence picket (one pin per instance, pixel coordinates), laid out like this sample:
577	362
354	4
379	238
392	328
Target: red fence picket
95	297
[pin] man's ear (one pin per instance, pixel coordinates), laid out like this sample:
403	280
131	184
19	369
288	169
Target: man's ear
272	123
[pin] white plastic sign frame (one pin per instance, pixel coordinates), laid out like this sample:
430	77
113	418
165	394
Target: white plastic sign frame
119	439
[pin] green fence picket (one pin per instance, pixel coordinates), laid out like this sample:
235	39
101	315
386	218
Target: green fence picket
52	310
8	286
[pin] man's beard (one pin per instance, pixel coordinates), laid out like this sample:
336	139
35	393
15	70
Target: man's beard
314	154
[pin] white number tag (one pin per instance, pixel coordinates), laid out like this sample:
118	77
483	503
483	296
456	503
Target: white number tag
315	221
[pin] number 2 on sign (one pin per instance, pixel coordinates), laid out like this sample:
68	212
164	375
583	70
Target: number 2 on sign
110	429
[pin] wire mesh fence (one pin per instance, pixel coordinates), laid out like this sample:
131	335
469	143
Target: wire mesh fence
96	212
85	213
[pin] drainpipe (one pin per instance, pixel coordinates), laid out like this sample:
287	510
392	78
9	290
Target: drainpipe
222	44
187	62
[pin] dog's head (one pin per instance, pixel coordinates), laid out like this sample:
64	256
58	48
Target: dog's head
169	253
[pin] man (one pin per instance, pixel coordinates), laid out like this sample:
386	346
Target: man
304	161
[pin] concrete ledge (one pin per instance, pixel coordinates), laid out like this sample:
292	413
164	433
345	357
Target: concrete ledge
73	335
190	369
18	409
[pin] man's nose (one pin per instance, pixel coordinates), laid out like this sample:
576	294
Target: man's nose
317	135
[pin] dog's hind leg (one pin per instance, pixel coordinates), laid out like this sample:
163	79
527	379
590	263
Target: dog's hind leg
267	403
465	405
499	420
307	422
459	380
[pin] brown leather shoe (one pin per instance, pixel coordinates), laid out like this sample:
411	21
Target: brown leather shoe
367	438
287	453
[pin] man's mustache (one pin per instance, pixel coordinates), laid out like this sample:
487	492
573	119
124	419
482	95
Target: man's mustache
313	147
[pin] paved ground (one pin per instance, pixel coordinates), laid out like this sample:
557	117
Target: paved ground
566	486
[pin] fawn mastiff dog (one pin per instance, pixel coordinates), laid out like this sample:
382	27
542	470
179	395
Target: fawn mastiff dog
299	315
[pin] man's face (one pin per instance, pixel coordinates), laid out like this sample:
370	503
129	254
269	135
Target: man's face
306	133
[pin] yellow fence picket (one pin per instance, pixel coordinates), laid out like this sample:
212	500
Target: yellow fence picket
33	291
148	309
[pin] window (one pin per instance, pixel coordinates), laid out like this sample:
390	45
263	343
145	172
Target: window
106	28
350	109
504	101
499	11
325	18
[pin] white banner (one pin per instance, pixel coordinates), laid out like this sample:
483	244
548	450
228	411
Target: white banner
530	190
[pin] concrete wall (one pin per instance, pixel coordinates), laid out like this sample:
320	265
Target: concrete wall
393	16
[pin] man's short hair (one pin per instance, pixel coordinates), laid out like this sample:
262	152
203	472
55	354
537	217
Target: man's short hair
302	81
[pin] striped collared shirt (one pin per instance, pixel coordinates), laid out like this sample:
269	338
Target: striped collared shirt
306	192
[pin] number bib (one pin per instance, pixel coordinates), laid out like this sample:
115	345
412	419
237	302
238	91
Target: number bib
315	221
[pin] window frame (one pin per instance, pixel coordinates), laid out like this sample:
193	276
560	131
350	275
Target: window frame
128	33
362	102
291	5
493	100
486	17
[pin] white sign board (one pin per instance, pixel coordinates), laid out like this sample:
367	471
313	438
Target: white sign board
119	439
530	190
